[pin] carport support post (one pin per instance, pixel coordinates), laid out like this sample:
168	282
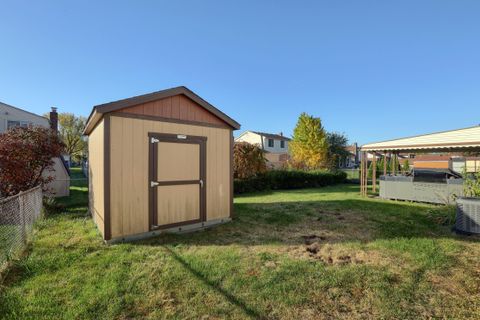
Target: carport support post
364	173
361	173
374	172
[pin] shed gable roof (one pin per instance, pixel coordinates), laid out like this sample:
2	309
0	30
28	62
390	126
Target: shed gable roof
124	104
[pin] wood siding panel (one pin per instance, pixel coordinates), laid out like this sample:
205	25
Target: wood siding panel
176	107
178	203
96	185
117	168
185	165
129	191
141	166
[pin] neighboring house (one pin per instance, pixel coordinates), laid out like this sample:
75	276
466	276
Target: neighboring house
353	158
432	162
455	162
274	145
11	116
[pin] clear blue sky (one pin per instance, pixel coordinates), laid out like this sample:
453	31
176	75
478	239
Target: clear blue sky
371	69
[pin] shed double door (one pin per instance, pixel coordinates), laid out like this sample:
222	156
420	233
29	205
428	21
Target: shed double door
177	180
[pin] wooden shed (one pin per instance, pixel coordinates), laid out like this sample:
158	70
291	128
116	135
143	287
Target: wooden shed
159	162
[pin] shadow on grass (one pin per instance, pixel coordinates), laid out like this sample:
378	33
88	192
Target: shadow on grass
203	276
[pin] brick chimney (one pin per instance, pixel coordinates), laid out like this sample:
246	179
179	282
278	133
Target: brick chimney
54	119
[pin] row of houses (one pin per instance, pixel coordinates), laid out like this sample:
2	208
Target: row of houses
277	154
276	151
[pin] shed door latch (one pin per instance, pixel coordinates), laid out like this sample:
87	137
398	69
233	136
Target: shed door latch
201	183
154	140
153	184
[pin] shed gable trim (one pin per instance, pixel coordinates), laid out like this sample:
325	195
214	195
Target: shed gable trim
129	102
157	118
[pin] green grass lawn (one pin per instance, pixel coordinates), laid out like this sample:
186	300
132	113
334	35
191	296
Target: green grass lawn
303	254
10	242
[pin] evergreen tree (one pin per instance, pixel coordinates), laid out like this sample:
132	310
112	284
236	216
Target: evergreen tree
337	148
406	166
393	164
309	145
381	164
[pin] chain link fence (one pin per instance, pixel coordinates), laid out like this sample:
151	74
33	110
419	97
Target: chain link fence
17	215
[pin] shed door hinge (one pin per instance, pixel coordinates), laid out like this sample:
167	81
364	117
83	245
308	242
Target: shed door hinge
154	140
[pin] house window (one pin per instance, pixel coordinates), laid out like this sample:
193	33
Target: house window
270	143
15	123
282	144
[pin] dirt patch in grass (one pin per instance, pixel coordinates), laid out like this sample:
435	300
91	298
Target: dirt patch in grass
327	226
340	255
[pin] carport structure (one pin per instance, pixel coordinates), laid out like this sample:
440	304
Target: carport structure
460	140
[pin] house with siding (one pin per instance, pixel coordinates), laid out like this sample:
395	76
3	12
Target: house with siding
352	159
11	117
274	145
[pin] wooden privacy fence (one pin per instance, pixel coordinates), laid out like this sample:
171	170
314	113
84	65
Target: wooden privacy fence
17	216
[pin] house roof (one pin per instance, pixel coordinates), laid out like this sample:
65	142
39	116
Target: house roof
101	109
351	148
272	135
460	139
23	110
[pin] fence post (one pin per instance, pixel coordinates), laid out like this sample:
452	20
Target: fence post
21	210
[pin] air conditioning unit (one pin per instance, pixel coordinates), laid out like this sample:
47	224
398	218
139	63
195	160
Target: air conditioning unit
468	215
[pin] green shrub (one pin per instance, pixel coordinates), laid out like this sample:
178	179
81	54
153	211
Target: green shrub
471	184
248	160
288	179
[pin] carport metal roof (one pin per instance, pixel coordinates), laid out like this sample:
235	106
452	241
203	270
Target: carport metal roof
454	140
